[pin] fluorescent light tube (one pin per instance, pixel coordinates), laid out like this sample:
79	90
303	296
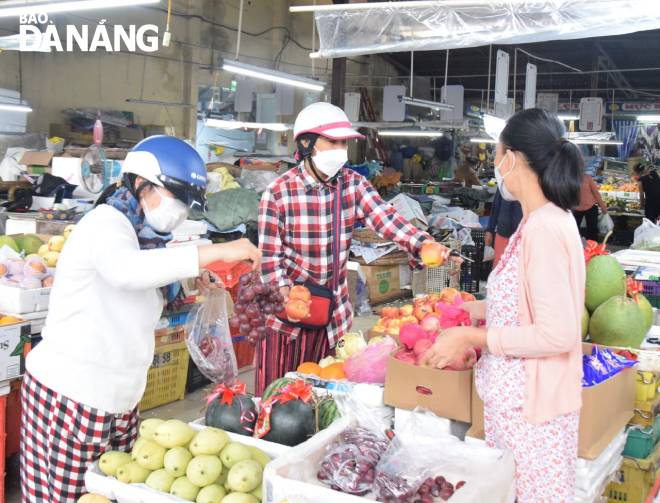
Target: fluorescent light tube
258	72
8	107
596	142
482	140
54	7
222	124
655	119
435	105
568	117
411	133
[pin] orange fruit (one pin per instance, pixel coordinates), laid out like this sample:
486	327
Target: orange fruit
309	368
334	372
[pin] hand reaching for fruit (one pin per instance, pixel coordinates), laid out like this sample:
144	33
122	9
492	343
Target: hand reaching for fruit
454	349
476	309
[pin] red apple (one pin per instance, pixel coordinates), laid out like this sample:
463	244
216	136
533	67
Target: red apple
422	310
468	361
390	312
422	346
433	254
431	323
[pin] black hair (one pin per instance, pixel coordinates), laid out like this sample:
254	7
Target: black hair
639	168
305	152
128	181
539	136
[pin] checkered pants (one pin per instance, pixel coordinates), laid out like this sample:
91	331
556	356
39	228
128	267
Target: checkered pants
61	438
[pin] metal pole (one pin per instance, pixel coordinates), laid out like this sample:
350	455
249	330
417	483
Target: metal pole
412	63
313	42
444	89
240	28
515	77
490	63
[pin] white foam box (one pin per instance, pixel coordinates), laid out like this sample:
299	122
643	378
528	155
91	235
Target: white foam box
96	482
20	301
292	476
12	339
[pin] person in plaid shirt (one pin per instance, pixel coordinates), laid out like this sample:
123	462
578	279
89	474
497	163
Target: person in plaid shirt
296	235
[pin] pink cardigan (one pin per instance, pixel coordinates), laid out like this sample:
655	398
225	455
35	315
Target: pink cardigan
552	282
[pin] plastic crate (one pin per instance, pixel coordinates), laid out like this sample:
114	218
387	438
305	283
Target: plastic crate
635	479
646	412
3	439
13	419
652	292
640	442
177	319
647	386
195	379
471	271
166	380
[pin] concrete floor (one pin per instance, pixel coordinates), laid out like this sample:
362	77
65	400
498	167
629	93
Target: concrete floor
188	409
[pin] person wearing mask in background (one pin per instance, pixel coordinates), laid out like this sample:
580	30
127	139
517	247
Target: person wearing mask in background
590	201
504	219
529	376
84	380
298	233
649	190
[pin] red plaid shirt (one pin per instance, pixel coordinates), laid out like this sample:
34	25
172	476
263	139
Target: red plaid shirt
295	235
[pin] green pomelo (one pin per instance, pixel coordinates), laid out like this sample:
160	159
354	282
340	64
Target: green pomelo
7	241
585	324
618	322
29	243
605	279
647	310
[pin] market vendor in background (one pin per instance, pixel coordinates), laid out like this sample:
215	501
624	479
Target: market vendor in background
505	216
529	376
649	190
466	172
297	231
84	380
590	201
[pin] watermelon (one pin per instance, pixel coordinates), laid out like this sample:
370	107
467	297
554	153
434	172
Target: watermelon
328	413
274	387
291	423
239	417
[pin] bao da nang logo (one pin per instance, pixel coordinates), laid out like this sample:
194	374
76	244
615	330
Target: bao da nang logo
39	33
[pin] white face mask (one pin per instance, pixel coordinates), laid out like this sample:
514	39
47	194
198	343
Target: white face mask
329	162
506	195
167	216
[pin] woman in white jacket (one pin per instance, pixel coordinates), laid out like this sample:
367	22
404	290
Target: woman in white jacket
84	380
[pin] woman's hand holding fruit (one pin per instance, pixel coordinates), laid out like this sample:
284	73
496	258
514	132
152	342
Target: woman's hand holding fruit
454	349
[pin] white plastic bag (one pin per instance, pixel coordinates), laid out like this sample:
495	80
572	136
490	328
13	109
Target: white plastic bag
489	254
209	340
605	223
647	236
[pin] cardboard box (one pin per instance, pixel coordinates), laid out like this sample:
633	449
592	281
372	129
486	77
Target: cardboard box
37	162
606	410
410	209
447	393
13	339
386	282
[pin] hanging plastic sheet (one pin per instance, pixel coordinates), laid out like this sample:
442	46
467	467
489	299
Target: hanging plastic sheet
451	24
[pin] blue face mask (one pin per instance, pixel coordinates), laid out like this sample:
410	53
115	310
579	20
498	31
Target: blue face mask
506	195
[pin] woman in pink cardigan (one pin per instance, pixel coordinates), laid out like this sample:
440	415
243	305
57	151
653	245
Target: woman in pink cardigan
529	376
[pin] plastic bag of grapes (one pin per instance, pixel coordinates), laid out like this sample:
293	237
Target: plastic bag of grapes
209	340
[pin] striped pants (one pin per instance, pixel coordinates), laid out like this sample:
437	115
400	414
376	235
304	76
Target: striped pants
278	354
60	438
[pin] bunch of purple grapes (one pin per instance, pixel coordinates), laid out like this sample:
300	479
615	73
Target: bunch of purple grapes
254	302
395	489
350	466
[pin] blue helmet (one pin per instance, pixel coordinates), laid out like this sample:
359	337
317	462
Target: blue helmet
171	163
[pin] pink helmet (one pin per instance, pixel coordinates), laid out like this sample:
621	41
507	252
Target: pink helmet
325	120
